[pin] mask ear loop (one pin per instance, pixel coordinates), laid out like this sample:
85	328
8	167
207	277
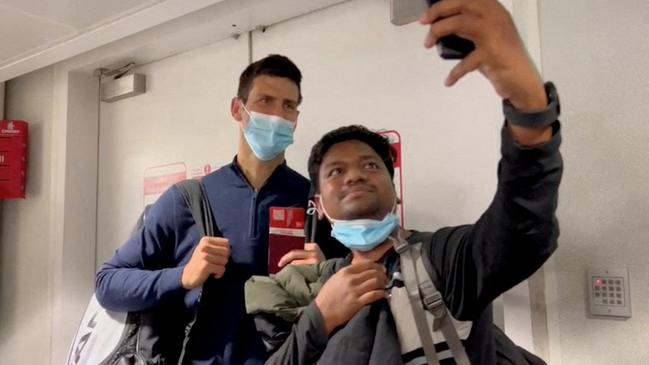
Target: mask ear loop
397	230
247	112
312	212
244	107
324	211
311	209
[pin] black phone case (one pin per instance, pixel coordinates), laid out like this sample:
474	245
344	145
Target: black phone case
453	47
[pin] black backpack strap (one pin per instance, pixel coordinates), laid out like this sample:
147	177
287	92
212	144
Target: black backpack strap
196	199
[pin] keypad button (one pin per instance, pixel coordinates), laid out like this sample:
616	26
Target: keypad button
605	301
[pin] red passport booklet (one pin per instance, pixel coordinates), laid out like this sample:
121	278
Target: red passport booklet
286	233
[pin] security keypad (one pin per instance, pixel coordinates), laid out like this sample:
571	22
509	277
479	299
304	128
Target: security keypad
609	292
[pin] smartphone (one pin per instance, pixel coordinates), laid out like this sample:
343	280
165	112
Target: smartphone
286	233
453	47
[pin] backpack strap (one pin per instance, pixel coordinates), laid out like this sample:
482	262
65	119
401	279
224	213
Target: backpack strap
423	294
433	302
195	196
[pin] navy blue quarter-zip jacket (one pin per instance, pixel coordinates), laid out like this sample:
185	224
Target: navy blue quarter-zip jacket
148	267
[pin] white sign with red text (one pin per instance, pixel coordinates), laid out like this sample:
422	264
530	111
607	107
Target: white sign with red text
157	179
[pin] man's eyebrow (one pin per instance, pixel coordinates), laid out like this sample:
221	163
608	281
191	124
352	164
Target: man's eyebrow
263	95
340	162
332	163
290	100
274	97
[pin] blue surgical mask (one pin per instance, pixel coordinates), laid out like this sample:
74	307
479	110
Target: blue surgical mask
362	234
267	135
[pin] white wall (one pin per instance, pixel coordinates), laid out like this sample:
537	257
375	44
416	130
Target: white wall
183	117
73	204
25	297
598	55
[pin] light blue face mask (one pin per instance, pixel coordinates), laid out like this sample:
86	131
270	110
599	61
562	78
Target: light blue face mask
267	135
362	234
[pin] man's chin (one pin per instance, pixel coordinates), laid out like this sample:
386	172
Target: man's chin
358	210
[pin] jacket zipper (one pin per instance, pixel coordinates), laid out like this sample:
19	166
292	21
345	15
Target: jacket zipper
252	231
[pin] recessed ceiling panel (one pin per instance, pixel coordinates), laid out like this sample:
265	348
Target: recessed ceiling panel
22	33
79	14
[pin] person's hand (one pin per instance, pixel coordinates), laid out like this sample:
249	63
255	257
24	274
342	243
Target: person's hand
310	255
349	290
209	258
499	52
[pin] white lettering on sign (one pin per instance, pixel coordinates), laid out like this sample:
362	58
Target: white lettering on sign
2	158
11	129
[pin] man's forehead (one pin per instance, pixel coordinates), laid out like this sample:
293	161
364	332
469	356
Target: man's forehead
352	149
275	86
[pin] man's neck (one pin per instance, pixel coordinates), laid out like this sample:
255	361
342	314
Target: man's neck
378	252
256	171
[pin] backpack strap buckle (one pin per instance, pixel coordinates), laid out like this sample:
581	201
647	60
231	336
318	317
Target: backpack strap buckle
433	302
400	245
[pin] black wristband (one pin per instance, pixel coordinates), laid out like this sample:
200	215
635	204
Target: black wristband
539	119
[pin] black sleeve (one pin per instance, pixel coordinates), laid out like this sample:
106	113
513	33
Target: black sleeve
476	263
305	342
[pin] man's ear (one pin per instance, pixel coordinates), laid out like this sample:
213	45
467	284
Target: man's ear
236	110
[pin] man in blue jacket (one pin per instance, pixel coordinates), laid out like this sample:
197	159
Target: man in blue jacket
168	258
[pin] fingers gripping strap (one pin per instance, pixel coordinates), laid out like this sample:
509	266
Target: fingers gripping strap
410	281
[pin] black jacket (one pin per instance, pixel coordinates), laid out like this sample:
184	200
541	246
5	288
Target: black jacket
471	265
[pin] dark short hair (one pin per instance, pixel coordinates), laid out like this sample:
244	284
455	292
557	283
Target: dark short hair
377	142
272	65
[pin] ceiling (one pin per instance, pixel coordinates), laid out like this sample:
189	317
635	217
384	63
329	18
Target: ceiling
29	26
39	33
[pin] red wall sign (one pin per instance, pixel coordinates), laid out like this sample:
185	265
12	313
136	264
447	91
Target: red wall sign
395	140
13	159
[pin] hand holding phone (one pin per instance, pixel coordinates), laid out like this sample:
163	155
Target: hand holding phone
452	47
